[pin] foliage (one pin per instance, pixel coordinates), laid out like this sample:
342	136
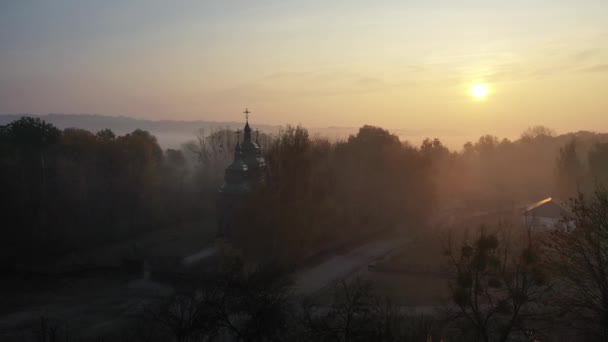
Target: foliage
321	194
65	190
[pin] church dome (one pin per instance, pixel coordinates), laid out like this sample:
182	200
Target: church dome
250	148
236	173
238	165
247	171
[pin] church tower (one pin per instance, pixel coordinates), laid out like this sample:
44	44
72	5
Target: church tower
246	172
253	155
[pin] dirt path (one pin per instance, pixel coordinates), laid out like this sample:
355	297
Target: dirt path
314	279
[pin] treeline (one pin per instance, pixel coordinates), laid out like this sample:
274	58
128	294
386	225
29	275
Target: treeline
70	189
321	194
66	189
326	192
493	172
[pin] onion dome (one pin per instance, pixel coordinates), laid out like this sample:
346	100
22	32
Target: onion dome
236	174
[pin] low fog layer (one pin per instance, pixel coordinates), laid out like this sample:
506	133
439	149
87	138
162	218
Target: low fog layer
172	133
105	218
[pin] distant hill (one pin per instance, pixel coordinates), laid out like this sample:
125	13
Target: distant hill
172	133
169	133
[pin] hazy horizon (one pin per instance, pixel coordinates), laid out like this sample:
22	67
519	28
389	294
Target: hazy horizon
174	136
345	64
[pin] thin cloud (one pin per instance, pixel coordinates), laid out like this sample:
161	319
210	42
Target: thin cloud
596	68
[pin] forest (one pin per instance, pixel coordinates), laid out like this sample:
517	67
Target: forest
67	190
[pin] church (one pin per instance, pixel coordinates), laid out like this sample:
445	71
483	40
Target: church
246	173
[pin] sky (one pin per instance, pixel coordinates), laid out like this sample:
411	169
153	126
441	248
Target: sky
407	65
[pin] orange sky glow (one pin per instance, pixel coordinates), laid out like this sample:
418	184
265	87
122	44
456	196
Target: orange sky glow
396	64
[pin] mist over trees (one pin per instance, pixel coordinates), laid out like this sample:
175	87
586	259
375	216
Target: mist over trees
71	189
65	189
319	193
492	172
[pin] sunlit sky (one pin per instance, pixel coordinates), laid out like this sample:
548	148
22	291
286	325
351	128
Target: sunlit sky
397	64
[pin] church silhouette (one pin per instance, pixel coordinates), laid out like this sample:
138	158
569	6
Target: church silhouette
246	172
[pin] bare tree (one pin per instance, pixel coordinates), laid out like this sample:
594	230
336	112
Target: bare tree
188	317
256	303
494	289
568	170
537	132
233	303
578	250
357	314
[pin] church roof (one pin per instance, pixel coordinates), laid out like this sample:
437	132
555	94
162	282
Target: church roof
247	165
238	165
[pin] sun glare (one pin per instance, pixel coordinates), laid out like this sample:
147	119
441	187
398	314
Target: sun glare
479	91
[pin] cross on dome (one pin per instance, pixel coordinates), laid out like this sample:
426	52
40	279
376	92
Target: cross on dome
246	112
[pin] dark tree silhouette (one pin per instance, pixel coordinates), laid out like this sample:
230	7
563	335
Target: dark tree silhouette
598	163
495	289
568	171
578	251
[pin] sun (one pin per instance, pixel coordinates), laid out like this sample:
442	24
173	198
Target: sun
479	91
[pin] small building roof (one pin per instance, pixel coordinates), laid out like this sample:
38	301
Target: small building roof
548	207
